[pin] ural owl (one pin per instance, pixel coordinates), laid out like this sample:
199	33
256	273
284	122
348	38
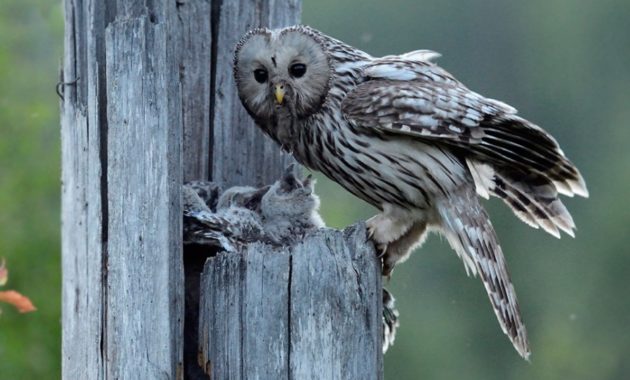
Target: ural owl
407	137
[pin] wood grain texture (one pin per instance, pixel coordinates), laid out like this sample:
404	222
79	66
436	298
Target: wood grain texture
144	294
81	199
312	311
121	207
195	69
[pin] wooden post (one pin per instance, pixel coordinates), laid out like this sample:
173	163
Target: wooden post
149	101
121	181
311	311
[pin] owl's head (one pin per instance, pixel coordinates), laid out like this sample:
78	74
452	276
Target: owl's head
282	70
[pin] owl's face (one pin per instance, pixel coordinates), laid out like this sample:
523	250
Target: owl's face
281	71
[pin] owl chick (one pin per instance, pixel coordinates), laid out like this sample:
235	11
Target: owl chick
404	135
227	229
290	208
208	192
276	214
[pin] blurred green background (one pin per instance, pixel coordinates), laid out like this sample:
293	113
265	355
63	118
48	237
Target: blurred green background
565	64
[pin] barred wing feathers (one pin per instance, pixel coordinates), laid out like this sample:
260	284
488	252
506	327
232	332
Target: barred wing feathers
517	160
532	196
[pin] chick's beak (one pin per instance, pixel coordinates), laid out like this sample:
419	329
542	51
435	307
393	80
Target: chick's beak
279	93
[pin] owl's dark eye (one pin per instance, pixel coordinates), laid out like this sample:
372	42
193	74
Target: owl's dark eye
260	75
297	70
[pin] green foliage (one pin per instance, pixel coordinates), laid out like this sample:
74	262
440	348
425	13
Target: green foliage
30	47
564	64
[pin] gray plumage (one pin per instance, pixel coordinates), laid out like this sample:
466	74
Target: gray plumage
277	214
407	137
290	208
227	229
207	191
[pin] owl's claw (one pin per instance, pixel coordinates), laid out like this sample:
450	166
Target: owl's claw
370	233
382	250
387	271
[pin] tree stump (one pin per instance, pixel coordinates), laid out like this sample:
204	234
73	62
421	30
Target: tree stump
310	311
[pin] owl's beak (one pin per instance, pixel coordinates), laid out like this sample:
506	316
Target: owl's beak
279	93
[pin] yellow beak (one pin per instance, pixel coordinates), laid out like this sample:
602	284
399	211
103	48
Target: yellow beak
279	93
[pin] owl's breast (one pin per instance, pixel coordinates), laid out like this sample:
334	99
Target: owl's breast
379	168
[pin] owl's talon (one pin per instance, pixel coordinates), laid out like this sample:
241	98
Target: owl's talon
382	249
387	271
370	233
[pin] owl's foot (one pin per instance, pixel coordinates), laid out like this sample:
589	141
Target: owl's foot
381	248
390	320
388	268
384	230
397	250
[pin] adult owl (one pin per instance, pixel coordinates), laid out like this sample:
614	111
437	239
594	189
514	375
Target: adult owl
407	137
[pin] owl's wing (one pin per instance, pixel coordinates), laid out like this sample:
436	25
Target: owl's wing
421	99
509	157
427	109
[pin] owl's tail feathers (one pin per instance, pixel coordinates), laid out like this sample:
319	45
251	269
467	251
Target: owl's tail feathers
467	227
532	197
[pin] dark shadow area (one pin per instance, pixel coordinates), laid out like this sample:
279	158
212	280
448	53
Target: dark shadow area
195	257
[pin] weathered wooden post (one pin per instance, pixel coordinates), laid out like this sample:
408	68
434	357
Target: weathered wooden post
149	102
121	180
311	311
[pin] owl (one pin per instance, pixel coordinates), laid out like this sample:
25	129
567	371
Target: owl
404	135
